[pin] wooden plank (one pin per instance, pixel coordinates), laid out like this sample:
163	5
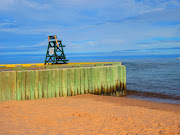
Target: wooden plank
49	83
68	82
114	68
98	80
45	84
19	85
36	84
124	80
105	80
72	82
32	91
116	78
108	80
78	82
64	82
92	80
28	84
89	80
12	85
23	85
85	80
53	83
5	90
61	82
119	77
102	80
75	81
95	80
82	80
41	80
57	83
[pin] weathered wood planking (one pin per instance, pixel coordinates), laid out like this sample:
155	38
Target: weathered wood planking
37	84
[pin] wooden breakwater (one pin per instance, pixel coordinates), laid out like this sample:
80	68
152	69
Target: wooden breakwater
62	82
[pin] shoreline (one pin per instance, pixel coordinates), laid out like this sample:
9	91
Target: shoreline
89	114
153	97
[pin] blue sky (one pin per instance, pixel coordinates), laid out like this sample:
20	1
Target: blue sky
113	27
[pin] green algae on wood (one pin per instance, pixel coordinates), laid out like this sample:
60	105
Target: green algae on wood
53	83
124	80
23	85
5	86
57	86
82	80
45	84
32	80
89	80
19	85
12	85
64	82
40	89
49	83
36	84
85	81
60	82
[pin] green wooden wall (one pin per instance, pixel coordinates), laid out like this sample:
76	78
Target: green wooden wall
62	82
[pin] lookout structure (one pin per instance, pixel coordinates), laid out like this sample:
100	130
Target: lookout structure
55	53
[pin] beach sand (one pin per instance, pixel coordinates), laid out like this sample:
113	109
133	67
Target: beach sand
89	115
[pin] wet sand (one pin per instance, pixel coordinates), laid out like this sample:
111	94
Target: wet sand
89	115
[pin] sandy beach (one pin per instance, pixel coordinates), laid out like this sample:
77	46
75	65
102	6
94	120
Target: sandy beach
89	115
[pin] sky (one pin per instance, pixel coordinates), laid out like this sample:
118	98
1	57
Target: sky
89	27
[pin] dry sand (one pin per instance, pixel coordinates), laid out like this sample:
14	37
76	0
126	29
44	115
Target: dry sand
89	115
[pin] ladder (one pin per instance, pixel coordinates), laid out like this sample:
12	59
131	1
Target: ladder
55	53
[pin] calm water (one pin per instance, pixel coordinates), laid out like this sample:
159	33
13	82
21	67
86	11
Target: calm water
161	76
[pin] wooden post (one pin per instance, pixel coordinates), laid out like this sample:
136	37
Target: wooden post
75	81
57	85
95	80
99	75
49	83
92	80
70	81
28	83
78	82
41	79
19	85
89	80
45	84
53	83
105	80
12	85
23	85
5	88
36	84
82	80
61	82
64	84
124	80
108	80
85	80
32	84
